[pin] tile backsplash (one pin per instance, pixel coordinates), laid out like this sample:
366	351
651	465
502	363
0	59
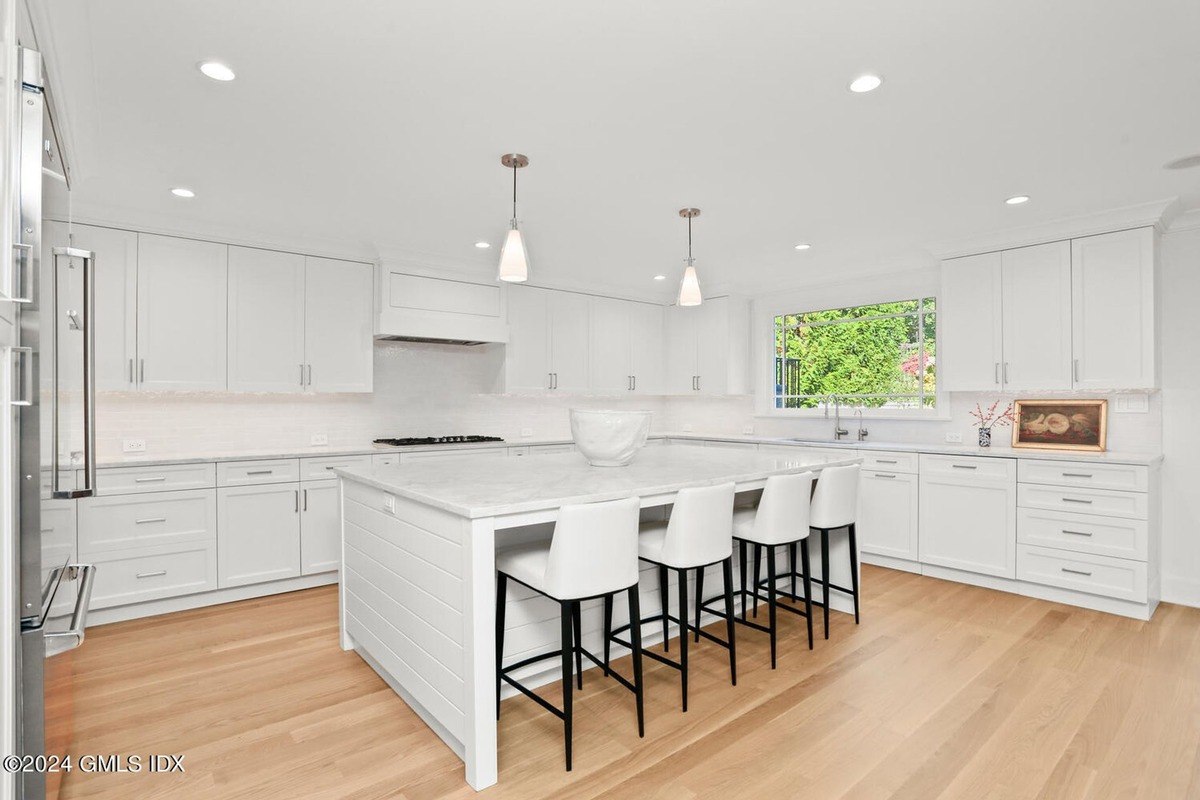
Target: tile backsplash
430	389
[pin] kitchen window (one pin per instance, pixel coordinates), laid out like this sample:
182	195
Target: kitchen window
881	356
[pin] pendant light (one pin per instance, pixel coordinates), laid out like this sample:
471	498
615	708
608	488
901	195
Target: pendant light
689	287
514	261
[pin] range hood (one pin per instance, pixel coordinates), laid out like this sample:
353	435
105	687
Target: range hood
415	308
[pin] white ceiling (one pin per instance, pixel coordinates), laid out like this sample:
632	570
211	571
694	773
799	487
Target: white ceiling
376	127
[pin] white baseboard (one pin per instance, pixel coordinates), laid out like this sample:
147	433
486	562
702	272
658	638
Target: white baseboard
1183	591
890	562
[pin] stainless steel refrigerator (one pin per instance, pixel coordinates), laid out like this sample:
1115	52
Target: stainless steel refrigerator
52	398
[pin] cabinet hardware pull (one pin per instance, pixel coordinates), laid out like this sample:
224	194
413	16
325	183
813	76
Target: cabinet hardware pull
1075	370
141	370
260	472
887	461
337	466
157	574
997	373
965	466
306	499
131	370
1077	533
150	480
308	369
1077	475
301	374
1006	372
1077	572
148	520
635	383
884	475
1076	500
297	491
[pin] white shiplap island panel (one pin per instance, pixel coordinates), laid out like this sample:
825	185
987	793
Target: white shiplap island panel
418	562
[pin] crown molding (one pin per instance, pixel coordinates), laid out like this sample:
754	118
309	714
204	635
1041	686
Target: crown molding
1185	221
1158	214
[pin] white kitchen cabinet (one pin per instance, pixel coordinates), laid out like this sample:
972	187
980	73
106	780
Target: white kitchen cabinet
116	297
646	343
970	324
967	517
320	527
708	347
682	366
258	534
549	340
570	341
1037	317
626	346
888	514
266	321
338	340
1113	300
181	301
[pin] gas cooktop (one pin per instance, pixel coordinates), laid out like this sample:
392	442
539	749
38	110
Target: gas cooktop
426	440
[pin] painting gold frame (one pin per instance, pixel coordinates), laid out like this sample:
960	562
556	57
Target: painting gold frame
1096	408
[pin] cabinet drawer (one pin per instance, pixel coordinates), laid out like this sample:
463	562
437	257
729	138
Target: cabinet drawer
889	462
1131	505
138	576
163	518
969	467
1083	572
249	473
169	477
1083	533
1125	477
385	460
316	469
434	455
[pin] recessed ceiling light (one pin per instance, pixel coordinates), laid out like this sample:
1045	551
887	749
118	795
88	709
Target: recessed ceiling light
1187	162
216	70
1017	200
803	246
482	245
179	191
660	277
865	83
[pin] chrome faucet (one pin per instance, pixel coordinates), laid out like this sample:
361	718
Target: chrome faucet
862	432
838	430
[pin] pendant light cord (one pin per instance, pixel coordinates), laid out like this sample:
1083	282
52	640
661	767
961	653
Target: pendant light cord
514	217
689	219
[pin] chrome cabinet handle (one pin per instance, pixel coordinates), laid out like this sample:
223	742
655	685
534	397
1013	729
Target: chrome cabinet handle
635	383
148	520
308	374
1077	533
301	374
23	364
141	370
1077	572
131	370
1006	372
156	479
306	499
965	466
997	373
297	491
887	461
1076	500
260	472
1075	370
155	574
1077	475
884	475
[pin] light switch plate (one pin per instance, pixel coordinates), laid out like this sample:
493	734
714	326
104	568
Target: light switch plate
133	445
319	439
526	432
747	430
1133	404
954	438
389	504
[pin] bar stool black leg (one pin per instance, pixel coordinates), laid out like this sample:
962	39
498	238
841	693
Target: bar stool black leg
727	577
771	599
742	593
566	609
683	634
807	568
608	612
577	625
792	564
854	569
757	575
662	596
635	638
699	599
825	578
501	593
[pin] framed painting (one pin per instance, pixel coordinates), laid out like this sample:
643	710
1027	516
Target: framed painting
1061	424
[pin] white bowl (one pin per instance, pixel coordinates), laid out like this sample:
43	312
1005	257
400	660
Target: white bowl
609	438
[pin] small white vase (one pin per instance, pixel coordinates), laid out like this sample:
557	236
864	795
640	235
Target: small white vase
609	438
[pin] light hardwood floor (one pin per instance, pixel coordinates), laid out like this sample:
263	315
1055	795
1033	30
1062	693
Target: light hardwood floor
944	691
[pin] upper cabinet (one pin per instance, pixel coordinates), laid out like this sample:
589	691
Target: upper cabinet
549	340
181	313
1059	316
626	346
1114	322
338	344
266	321
708	347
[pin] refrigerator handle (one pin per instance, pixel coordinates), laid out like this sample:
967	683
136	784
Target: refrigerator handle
19	288
89	375
24	374
62	641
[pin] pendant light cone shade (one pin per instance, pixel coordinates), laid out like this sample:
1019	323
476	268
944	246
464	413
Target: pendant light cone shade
514	262
689	288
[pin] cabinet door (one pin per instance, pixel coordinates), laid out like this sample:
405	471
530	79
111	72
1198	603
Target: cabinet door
611	369
1112	288
646	345
527	354
681	370
712	346
266	321
970	323
339	347
569	340
968	523
1037	317
181	295
258	534
116	297
320	528
887	514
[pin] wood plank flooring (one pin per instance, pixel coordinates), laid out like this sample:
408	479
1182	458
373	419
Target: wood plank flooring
944	691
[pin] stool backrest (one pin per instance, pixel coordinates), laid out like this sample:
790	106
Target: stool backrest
783	510
594	549
700	530
835	501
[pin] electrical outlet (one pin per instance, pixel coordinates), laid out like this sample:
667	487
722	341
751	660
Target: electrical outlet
1132	404
526	432
954	438
319	439
687	428
389	504
133	445
747	430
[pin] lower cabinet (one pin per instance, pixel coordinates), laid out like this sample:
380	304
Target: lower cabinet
968	514
888	514
320	528
258	534
153	573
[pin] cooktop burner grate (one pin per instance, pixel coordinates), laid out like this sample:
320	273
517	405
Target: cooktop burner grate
416	441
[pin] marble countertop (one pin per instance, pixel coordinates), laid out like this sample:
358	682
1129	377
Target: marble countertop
486	488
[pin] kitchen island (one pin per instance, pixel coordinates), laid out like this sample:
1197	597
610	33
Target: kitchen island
417	595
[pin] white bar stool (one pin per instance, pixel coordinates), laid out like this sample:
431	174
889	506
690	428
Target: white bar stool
593	553
698	535
835	507
782	518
